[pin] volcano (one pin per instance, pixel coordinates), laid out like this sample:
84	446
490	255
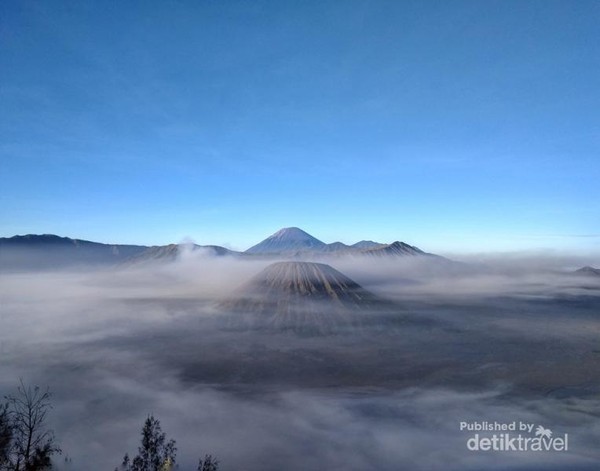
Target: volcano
288	239
302	295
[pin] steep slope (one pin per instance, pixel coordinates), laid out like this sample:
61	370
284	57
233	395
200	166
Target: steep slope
301	295
289	239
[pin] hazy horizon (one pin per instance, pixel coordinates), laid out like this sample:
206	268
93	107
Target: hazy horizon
586	255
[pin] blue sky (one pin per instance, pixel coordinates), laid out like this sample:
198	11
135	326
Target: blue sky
454	126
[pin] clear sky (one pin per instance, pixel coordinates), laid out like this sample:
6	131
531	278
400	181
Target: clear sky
451	125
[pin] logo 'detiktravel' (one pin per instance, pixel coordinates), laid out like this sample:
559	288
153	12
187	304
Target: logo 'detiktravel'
513	436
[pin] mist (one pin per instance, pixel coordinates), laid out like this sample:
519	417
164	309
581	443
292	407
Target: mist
466	340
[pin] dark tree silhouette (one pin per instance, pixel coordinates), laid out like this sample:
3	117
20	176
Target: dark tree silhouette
155	452
5	436
32	444
209	464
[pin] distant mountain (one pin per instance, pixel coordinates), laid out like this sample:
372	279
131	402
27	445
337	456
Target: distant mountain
367	244
588	271
172	252
289	239
336	247
160	252
395	249
48	251
301	296
296	243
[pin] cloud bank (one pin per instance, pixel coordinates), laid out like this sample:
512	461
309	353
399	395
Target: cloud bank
499	343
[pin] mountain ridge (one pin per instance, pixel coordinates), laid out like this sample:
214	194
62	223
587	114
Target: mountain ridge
48	251
295	242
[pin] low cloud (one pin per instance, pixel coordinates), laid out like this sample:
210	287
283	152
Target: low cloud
500	343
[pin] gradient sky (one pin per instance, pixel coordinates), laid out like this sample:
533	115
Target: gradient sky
451	125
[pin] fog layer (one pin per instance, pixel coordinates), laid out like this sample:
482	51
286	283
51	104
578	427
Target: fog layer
464	342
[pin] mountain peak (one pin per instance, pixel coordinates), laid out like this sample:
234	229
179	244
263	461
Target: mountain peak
292	232
302	295
588	271
288	239
304	279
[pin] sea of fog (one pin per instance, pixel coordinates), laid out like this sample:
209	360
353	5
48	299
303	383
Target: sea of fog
493	339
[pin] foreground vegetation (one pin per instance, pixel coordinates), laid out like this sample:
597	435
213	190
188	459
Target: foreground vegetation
27	444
